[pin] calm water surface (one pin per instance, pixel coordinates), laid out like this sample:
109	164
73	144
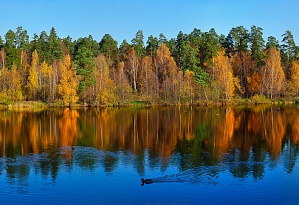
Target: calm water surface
195	155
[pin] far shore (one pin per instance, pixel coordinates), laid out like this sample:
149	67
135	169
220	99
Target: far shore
38	105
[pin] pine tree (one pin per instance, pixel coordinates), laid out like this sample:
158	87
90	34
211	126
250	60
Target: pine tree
85	70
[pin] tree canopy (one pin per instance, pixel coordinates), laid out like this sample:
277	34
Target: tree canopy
195	67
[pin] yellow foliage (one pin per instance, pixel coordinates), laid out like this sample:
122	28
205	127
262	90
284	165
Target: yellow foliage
10	81
15	88
46	70
295	72
33	76
167	70
224	76
294	83
238	85
105	87
186	89
272	74
165	62
68	85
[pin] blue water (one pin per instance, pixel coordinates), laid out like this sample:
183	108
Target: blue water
193	155
75	183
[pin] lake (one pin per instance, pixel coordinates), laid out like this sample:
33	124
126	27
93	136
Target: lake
193	155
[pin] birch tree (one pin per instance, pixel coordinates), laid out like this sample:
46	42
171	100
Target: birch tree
272	74
33	85
68	85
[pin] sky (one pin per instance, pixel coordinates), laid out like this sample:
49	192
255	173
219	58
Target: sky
123	18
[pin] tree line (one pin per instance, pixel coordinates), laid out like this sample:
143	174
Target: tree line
191	68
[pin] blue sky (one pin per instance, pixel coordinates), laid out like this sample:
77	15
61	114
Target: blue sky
123	18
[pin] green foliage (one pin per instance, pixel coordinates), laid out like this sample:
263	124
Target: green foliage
54	47
40	44
177	53
257	45
163	76
12	54
162	40
202	78
192	63
152	46
140	103
1	42
88	43
236	41
5	99
272	43
260	99
10	39
85	68
138	44
289	52
70	45
289	49
209	47
22	39
108	46
189	57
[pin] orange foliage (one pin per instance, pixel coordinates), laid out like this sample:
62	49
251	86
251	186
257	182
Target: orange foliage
68	126
254	83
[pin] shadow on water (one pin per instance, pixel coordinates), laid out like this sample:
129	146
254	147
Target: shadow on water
228	171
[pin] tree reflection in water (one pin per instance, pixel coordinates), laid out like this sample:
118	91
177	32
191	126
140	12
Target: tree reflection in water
200	141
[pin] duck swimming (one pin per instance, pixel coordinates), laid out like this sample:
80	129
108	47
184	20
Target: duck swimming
146	181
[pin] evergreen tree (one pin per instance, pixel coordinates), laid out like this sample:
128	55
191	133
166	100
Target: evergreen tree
54	47
152	46
288	48
22	43
89	43
138	43
192	63
85	69
162	40
272	43
209	47
108	47
1	42
12	55
181	37
124	49
289	52
22	39
69	45
240	38
257	46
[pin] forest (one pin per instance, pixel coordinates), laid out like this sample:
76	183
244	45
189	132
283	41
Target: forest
196	68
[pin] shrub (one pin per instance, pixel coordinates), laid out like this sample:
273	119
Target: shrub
260	99
5	99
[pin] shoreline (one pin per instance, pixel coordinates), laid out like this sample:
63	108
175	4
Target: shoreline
38	105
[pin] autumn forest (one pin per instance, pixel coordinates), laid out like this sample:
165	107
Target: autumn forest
199	67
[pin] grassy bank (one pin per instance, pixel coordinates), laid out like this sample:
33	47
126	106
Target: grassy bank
38	105
25	105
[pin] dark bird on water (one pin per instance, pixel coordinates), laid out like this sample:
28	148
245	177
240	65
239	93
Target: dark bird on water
146	181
